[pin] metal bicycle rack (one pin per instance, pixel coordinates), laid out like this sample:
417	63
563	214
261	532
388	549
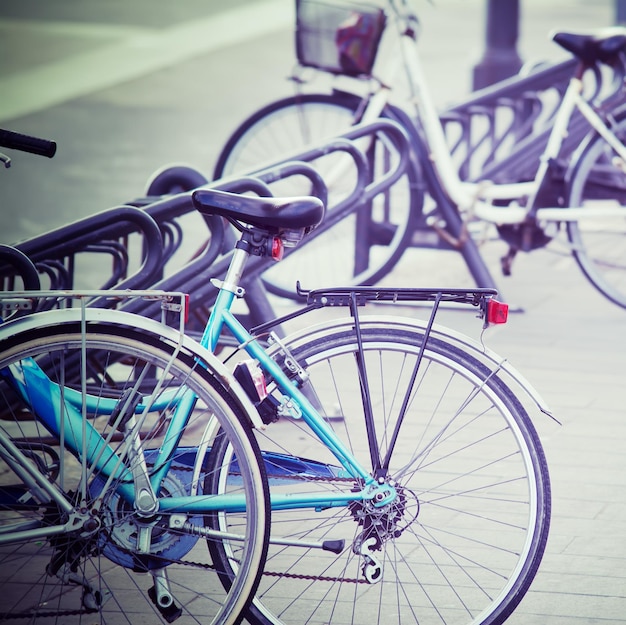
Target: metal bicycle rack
151	227
499	132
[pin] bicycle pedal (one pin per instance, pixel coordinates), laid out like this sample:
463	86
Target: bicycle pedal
169	613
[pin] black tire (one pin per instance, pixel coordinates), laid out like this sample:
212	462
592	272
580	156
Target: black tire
174	179
352	251
464	539
95	570
598	178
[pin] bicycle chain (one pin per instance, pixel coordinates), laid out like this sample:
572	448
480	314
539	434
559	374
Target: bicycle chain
201	565
316	578
31	615
321	578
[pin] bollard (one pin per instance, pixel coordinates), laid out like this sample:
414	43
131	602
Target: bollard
501	59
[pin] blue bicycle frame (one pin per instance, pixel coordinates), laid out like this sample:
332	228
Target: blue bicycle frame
221	317
62	410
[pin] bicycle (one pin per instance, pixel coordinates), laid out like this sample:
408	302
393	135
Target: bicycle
583	201
109	492
393	448
473	460
341	509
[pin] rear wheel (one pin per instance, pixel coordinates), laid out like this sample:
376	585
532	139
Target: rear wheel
466	532
367	241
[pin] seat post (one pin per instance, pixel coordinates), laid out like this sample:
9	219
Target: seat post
251	242
248	243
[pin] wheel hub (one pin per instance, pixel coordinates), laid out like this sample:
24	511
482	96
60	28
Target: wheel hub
385	522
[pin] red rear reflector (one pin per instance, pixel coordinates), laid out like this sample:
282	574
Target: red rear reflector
497	312
277	248
186	315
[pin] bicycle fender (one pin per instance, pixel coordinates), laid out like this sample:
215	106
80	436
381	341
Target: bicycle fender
496	363
144	324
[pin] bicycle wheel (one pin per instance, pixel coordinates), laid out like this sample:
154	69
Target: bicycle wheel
367	242
463	539
108	562
599	243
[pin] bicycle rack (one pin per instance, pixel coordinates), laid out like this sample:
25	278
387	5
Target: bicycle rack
194	277
497	147
55	253
157	221
500	132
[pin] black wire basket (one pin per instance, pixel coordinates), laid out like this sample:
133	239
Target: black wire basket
339	37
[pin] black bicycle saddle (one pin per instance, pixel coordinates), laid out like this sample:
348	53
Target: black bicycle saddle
593	47
271	213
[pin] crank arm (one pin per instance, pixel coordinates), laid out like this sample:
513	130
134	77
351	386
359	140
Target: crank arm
335	546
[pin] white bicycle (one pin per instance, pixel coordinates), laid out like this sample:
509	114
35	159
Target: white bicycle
581	207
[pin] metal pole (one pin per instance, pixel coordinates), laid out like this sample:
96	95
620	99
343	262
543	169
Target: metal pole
501	59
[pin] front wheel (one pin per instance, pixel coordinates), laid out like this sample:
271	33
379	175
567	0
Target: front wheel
465	534
598	182
368	239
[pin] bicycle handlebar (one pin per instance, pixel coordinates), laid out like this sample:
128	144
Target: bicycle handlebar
27	143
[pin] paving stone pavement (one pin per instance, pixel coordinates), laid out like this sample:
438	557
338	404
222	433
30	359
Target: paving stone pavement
569	341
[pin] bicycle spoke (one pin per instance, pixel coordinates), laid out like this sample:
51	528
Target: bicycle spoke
106	442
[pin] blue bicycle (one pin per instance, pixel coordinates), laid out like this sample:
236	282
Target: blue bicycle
407	481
